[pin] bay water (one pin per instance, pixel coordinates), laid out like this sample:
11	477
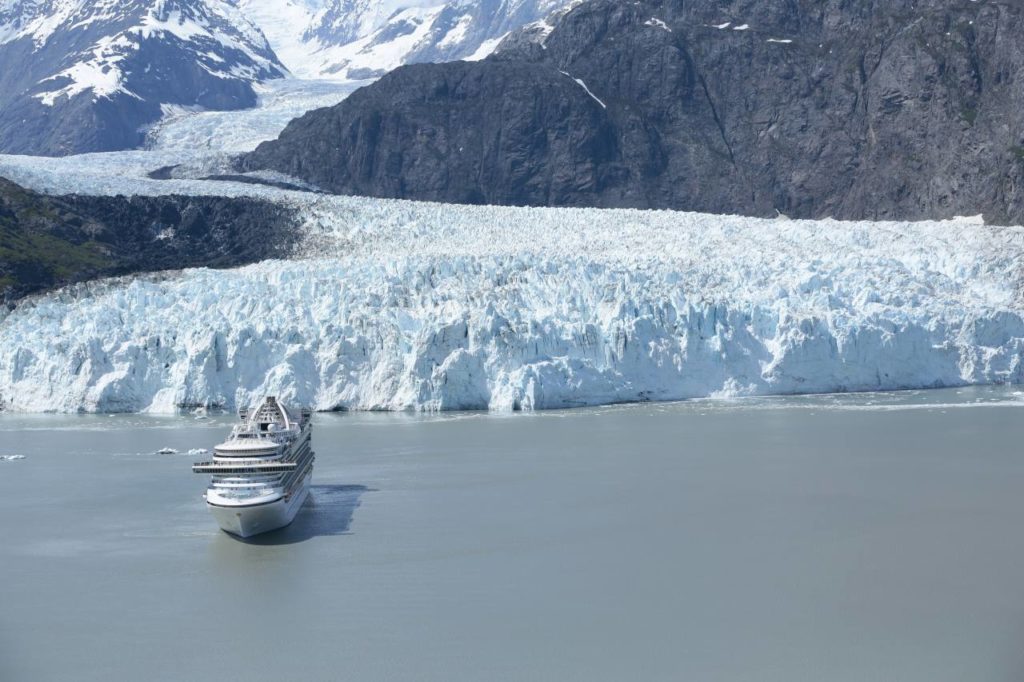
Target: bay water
855	537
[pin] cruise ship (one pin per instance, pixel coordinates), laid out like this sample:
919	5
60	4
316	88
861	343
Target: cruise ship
261	473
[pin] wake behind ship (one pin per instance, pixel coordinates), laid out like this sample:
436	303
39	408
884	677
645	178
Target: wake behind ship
261	473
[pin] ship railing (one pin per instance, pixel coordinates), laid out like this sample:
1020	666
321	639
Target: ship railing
248	468
242	495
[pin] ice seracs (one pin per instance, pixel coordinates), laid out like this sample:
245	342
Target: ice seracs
392	305
261	474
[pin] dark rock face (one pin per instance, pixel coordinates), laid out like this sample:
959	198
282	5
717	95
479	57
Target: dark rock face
898	109
50	241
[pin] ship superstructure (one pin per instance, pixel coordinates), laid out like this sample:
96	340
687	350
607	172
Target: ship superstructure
261	473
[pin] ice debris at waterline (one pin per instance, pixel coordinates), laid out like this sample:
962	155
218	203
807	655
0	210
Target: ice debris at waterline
11	458
431	307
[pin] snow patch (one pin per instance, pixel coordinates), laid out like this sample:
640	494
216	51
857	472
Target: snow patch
486	48
587	90
657	23
458	32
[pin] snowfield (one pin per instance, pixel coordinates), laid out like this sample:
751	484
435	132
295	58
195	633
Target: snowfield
404	306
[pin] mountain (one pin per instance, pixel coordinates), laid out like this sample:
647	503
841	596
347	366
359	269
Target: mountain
360	39
49	241
84	76
897	109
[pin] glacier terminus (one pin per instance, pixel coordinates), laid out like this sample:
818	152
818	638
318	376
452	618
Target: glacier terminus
392	305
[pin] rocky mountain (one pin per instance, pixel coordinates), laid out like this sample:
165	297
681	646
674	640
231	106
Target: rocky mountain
360	39
897	109
49	241
84	76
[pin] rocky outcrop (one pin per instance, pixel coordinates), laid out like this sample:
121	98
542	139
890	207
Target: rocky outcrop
49	241
898	109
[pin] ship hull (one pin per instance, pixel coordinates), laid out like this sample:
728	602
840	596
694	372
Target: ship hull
247	521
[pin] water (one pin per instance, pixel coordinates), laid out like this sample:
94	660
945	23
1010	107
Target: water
832	538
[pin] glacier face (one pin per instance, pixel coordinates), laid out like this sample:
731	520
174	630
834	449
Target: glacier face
404	306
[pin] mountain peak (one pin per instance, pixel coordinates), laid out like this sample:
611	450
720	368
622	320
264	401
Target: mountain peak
111	66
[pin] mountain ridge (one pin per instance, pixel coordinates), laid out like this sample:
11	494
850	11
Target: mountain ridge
360	39
905	110
90	76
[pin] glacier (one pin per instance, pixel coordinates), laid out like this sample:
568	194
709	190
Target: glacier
278	103
391	305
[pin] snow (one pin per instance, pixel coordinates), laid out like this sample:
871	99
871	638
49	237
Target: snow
283	22
330	39
100	74
486	49
373	54
280	101
173	24
657	23
458	33
587	90
98	66
408	306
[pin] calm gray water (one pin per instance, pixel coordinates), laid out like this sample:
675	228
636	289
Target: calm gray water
873	537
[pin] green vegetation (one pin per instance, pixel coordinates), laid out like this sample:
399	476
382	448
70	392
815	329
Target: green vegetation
44	253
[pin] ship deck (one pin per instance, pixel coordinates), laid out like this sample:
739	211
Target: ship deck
244	467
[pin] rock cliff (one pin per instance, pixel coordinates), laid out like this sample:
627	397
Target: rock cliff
868	110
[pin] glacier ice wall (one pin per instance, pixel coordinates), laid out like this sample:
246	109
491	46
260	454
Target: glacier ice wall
398	305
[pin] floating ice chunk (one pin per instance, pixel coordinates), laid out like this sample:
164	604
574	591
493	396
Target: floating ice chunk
11	458
166	451
195	452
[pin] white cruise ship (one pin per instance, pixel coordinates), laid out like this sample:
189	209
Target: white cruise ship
261	474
